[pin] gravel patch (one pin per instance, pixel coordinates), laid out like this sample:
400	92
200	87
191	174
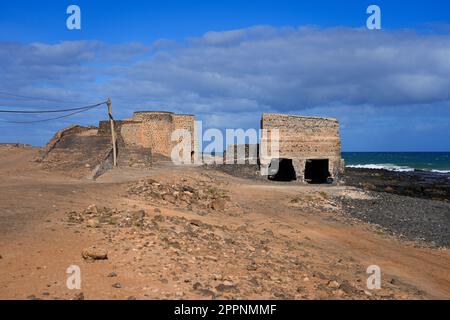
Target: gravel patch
412	218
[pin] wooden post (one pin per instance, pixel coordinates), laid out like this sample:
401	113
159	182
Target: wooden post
113	134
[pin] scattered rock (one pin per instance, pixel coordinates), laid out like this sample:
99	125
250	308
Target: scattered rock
300	290
117	285
93	223
348	288
112	275
197	285
412	218
92	209
281	295
94	254
252	267
169	198
223	287
254	282
212	258
333	284
184	195
218	204
228	283
206	292
78	296
368	293
268	233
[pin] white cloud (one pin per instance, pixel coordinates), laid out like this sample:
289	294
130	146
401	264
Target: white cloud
240	73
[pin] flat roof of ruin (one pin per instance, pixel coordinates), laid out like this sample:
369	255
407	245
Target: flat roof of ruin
297	116
165	112
154	111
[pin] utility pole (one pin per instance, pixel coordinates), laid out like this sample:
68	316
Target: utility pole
113	134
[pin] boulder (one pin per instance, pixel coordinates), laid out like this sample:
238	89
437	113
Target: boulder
94	253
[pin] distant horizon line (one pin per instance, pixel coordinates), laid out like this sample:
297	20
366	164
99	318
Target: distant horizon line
447	151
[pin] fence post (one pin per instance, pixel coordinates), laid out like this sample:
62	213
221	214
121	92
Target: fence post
113	135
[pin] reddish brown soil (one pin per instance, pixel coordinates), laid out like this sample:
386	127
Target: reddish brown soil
272	241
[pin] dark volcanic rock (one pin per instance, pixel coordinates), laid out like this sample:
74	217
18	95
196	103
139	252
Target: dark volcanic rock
246	171
413	218
414	205
419	184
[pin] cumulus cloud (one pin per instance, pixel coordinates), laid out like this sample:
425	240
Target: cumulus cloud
241	73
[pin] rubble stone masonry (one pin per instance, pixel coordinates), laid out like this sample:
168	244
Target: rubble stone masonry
306	138
153	129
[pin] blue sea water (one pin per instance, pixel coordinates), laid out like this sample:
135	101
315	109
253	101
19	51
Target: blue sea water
399	161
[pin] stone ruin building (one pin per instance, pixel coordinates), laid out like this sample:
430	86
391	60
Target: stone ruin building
87	151
309	149
153	130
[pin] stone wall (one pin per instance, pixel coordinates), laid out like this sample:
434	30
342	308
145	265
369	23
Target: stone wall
131	133
156	130
151	129
306	138
187	122
250	154
127	131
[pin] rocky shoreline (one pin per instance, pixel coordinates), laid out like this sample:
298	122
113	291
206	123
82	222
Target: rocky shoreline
418	184
411	205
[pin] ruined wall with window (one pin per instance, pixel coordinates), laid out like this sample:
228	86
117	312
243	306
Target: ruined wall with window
187	122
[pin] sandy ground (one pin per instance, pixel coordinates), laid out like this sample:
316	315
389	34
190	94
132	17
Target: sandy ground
269	241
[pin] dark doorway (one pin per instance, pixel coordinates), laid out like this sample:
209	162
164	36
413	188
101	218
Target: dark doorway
316	171
286	171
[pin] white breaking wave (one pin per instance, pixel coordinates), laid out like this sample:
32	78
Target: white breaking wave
392	167
385	166
441	171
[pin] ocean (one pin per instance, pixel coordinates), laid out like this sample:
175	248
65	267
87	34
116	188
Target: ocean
438	162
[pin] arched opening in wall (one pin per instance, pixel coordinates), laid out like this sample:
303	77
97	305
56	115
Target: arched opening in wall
317	171
285	172
192	156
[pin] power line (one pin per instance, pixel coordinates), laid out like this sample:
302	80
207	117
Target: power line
56	118
29	97
52	111
72	111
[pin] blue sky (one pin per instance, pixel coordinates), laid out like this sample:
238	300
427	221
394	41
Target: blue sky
229	61
146	21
